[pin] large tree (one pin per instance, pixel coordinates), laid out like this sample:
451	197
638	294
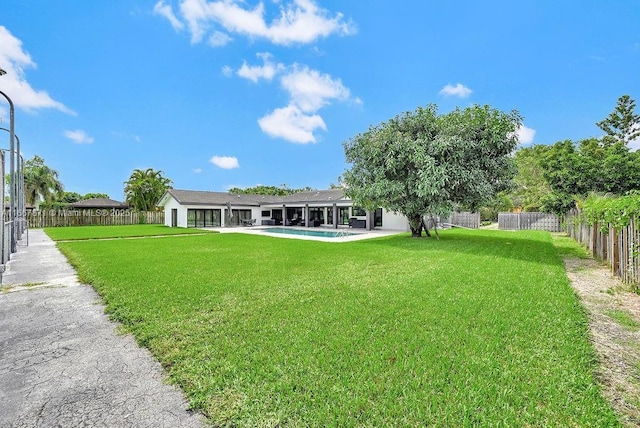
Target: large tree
530	186
622	123
41	182
573	170
420	163
144	188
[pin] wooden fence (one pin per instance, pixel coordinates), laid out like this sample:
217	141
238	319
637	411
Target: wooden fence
464	219
530	221
98	217
617	246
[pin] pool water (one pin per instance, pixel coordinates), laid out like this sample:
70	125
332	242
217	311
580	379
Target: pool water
311	232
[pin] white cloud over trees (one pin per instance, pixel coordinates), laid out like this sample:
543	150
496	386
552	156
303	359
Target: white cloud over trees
458	90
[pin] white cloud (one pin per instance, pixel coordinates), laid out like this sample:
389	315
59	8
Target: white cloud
218	39
13	60
79	136
197	170
225	162
310	90
266	71
525	135
163	9
292	124
455	91
298	21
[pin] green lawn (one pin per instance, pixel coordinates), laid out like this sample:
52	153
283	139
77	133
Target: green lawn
480	328
104	232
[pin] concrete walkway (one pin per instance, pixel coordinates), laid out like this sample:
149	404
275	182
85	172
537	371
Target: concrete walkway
62	363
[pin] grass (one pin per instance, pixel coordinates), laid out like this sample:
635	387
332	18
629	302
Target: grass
480	328
623	318
567	247
110	232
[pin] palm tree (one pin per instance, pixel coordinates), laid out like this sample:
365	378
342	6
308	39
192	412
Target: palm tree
41	183
144	189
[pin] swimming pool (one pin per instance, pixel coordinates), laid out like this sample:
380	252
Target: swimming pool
311	232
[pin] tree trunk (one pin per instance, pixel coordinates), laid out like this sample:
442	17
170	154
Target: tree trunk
426	229
415	224
435	226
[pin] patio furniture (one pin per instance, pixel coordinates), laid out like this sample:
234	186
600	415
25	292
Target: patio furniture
248	221
357	223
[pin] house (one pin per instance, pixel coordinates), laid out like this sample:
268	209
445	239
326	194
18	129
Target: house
98	204
328	208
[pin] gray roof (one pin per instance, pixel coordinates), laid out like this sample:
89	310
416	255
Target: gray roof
98	203
329	196
199	197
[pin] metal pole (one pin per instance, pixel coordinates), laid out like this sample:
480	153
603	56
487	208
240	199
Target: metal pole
4	250
12	174
19	186
19	194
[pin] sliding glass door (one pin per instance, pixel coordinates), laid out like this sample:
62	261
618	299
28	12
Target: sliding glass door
203	218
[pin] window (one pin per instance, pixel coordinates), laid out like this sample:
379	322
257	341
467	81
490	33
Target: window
294	214
330	215
359	212
203	218
266	213
316	214
377	218
343	215
239	215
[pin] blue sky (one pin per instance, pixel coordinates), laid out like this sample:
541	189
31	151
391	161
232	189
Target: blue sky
229	93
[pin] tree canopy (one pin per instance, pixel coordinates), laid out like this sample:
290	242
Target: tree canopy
41	182
283	190
421	163
63	199
144	188
573	170
623	123
553	177
530	184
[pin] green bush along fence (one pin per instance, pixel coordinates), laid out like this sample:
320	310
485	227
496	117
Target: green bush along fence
98	217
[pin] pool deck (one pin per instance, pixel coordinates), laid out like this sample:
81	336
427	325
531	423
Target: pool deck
354	234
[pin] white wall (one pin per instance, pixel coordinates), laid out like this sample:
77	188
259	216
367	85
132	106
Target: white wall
394	221
390	220
172	203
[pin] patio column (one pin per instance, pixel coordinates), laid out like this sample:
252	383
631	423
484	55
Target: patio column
369	222
306	215
335	216
284	215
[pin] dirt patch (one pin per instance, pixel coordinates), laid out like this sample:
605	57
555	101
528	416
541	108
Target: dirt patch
614	319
